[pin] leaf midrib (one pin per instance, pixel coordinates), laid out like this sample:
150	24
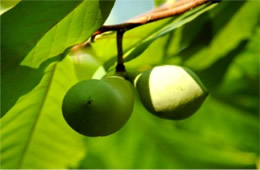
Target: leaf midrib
22	157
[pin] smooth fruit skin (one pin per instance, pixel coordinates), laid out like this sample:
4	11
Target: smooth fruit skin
98	107
170	92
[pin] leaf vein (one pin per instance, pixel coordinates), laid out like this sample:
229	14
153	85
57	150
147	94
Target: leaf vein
19	165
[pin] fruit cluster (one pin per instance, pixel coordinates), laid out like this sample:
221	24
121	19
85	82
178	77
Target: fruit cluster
102	107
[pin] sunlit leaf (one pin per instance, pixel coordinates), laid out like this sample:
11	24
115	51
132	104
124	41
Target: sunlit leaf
19	80
17	39
25	24
33	133
77	27
6	5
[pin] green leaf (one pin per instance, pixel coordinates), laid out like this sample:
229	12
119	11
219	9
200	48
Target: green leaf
6	5
228	33
19	80
153	55
240	84
176	23
220	67
42	39
75	28
22	27
34	133
25	24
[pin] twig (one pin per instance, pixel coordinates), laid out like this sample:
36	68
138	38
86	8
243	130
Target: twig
154	15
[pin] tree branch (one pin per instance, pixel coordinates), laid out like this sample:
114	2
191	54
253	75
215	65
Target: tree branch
162	12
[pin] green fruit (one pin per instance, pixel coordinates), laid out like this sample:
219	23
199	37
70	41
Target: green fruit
98	107
170	92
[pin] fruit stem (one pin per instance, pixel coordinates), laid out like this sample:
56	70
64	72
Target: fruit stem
120	68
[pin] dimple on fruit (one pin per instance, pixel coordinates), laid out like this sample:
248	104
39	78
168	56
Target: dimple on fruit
98	107
170	92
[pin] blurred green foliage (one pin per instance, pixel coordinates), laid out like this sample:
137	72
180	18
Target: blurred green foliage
220	42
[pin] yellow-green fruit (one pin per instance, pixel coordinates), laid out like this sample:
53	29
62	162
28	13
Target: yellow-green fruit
170	92
98	107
